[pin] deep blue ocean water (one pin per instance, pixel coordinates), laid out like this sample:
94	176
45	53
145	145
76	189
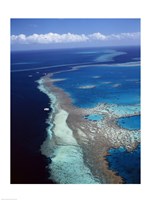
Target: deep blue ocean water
130	123
126	164
27	130
28	127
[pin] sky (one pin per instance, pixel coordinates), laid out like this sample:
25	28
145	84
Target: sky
28	34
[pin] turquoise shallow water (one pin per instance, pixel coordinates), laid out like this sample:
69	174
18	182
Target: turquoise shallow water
94	117
130	123
111	86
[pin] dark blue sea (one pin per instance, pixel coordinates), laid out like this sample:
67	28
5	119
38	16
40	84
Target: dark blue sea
126	164
110	84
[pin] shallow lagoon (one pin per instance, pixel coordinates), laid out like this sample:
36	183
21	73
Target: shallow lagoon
130	123
94	117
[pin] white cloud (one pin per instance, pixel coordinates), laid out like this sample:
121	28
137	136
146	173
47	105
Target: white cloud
48	38
98	36
121	36
69	38
18	38
134	35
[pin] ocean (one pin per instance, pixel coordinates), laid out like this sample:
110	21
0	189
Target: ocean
91	77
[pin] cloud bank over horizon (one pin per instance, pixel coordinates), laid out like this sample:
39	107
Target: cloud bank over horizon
55	38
